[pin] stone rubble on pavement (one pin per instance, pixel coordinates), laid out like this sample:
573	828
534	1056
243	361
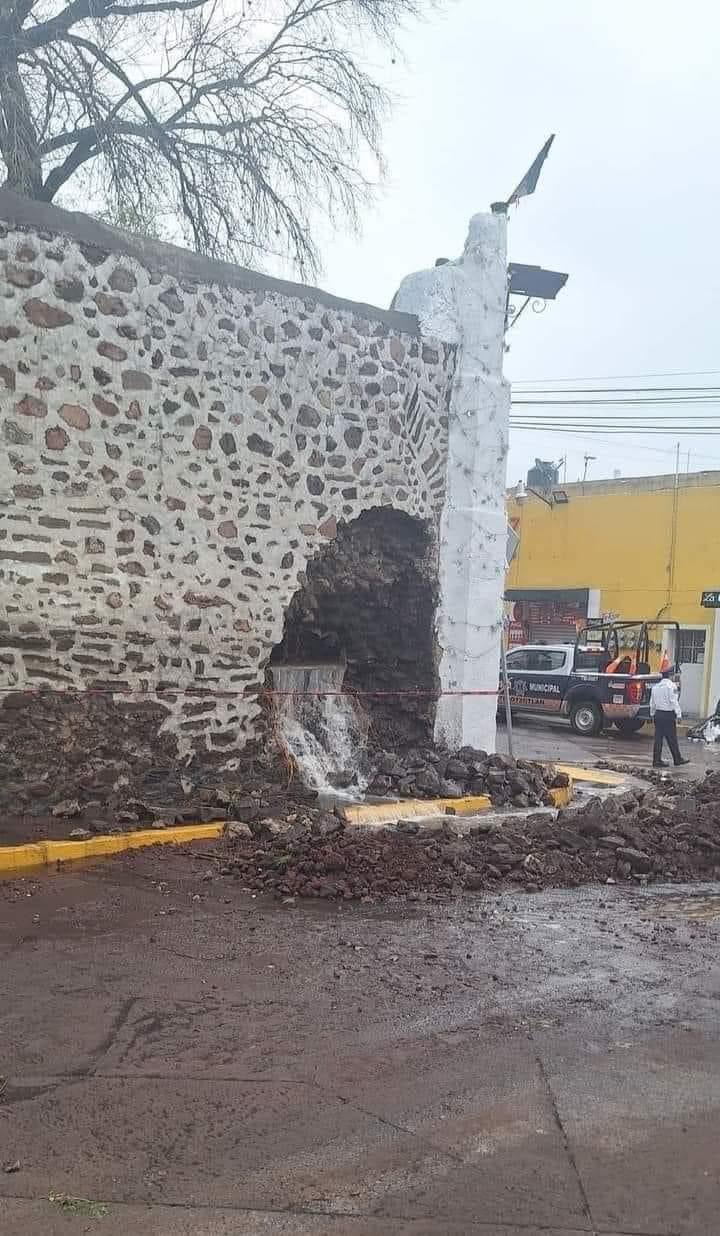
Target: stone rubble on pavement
432	773
638	835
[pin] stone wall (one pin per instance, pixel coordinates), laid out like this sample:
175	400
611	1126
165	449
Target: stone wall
178	439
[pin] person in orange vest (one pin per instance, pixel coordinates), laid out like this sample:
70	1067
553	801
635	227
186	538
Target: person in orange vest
621	665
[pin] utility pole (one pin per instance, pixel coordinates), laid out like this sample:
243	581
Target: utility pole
587	459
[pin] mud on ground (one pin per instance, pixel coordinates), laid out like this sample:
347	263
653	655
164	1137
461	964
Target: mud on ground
182	1058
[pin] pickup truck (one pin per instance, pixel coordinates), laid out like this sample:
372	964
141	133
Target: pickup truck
566	680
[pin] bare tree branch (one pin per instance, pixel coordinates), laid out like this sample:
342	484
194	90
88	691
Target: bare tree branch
44	33
163	6
240	127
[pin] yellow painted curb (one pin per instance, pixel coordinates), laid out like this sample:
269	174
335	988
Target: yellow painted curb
369	814
591	774
18	858
562	795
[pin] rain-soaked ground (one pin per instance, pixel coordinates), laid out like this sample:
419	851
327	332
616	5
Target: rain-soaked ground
537	738
179	1058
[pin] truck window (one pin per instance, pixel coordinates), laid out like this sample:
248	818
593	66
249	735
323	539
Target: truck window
546	660
592	659
518	660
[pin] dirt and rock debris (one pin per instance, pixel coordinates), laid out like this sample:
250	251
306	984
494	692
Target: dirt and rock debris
280	838
430	773
637	835
50	788
50	785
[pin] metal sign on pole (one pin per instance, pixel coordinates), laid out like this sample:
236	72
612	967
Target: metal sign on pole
711	599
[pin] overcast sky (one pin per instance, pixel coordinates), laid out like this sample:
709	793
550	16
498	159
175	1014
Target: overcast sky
627	203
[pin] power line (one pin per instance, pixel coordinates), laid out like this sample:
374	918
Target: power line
597	439
701	424
622	377
630	418
642	401
665	430
622	390
640	427
580	415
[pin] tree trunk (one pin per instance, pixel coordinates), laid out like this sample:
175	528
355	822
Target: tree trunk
18	139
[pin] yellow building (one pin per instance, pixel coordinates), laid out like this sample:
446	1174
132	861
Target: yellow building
631	548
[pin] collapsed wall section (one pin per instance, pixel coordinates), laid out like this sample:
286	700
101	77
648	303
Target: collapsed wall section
369	602
178	439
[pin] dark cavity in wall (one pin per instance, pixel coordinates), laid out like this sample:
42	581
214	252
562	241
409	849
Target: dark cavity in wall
370	599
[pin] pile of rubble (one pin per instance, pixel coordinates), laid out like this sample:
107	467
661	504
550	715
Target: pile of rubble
431	773
638	835
202	805
51	787
122	788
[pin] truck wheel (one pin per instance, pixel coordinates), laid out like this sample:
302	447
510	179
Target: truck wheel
586	718
629	725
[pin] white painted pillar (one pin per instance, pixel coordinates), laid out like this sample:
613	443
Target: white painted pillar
463	302
713	652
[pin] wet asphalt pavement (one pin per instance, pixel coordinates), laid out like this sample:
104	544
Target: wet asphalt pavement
182	1058
542	739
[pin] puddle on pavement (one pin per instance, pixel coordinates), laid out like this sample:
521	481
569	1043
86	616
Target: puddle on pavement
699	907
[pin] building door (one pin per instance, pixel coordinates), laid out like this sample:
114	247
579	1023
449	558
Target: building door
690	658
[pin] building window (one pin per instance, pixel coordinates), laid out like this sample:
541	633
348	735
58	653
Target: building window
691	648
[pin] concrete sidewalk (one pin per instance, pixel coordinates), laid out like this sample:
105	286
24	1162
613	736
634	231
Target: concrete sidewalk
183	1058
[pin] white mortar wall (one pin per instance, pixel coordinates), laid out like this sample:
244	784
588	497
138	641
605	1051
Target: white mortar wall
463	303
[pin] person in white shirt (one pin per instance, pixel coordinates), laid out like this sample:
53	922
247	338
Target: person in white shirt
665	710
